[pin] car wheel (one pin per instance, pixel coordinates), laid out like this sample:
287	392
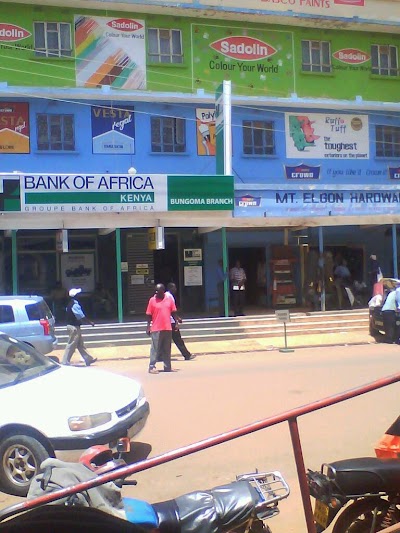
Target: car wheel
20	460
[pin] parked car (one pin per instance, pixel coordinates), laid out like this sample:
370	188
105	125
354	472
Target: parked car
376	325
28	318
47	407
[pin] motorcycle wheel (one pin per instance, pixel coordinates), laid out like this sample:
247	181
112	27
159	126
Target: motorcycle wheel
359	516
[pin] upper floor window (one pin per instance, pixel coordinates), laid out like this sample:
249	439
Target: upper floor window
164	46
258	137
55	132
387	141
52	39
316	56
384	60
168	134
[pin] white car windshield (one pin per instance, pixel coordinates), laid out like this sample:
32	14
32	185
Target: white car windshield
20	362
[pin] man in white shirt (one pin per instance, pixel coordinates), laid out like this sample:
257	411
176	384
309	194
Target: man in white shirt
238	278
389	309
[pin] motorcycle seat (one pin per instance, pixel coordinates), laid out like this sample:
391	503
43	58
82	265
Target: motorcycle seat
366	475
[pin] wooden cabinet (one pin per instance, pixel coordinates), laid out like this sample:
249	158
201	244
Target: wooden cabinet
283	283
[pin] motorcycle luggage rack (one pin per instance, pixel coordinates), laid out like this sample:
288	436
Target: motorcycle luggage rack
271	487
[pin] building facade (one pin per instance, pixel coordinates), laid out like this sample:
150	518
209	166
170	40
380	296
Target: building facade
91	94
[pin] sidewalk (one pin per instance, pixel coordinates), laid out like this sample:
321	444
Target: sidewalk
236	346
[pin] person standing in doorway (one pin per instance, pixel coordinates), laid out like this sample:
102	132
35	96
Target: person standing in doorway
238	279
222	275
159	310
75	317
176	334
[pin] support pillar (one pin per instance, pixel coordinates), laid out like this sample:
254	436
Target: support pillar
321	256
119	274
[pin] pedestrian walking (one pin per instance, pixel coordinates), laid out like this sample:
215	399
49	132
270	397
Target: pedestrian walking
159	310
391	305
176	334
374	271
222	275
75	317
238	279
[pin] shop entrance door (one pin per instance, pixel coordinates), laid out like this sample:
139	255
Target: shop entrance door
250	258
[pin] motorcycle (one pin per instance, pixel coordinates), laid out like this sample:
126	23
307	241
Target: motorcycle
363	492
241	506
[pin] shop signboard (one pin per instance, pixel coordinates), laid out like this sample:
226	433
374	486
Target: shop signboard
110	51
77	270
326	136
113	130
205	131
14	128
97	193
193	267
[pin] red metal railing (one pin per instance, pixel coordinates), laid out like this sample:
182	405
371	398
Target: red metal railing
287	416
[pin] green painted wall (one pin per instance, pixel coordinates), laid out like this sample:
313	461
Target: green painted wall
258	59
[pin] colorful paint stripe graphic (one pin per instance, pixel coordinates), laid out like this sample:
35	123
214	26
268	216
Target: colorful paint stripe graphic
109	56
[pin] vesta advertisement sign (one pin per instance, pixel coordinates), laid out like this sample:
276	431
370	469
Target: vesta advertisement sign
14	128
247	57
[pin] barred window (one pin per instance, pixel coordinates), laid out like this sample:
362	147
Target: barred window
52	39
387	141
258	137
384	61
164	46
316	56
168	135
55	132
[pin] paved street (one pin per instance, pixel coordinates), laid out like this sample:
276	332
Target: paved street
216	393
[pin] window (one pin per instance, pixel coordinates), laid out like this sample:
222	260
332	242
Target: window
164	46
55	132
6	314
316	56
168	134
258	137
387	141
384	60
52	39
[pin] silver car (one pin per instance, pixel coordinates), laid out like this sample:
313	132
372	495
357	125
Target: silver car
29	319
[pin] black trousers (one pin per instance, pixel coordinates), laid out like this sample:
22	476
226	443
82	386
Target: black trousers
179	342
238	298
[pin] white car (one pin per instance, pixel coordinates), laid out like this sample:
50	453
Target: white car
47	407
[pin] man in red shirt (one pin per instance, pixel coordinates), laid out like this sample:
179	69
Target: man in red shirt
159	311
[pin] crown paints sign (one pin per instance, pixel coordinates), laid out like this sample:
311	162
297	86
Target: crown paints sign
12	33
302	172
262	60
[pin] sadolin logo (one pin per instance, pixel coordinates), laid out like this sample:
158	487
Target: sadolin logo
11	32
125	25
352	56
244	48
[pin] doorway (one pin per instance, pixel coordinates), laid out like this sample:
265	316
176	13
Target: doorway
166	262
249	259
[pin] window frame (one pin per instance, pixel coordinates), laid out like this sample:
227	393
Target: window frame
156	57
388	147
63	141
376	70
263	148
47	51
320	66
160	127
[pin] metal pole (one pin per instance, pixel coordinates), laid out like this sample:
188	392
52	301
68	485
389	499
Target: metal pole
225	268
321	255
301	473
394	245
14	261
119	274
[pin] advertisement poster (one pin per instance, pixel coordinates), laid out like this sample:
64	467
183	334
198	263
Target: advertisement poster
14	128
256	60
205	129
77	270
110	51
326	136
113	130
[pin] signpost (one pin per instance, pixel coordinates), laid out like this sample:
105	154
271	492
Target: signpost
283	315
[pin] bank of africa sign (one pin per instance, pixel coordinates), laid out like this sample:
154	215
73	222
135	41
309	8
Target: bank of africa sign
100	193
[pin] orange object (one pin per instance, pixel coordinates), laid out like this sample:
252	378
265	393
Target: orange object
389	445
